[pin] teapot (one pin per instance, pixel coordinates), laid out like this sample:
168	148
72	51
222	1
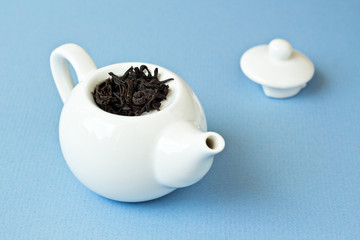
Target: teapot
130	158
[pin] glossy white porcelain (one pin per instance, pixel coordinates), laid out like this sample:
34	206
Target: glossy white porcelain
130	158
281	70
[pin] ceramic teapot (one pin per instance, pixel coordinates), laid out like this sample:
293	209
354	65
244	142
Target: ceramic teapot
130	158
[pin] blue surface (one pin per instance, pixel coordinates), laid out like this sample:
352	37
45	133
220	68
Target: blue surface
290	170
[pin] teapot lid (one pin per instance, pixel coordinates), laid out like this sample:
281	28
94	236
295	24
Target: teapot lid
277	65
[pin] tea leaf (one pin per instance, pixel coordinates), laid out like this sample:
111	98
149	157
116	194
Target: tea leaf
132	94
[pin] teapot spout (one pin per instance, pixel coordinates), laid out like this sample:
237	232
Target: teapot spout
184	154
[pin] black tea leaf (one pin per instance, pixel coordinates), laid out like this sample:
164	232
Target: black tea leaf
136	92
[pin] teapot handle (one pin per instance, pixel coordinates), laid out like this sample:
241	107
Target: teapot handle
78	58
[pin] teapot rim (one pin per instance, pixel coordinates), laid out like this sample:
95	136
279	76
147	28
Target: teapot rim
101	74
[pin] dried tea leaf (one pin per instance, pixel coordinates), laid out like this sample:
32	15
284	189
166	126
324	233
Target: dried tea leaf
132	94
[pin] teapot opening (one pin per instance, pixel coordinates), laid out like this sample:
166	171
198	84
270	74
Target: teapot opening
102	74
210	142
214	142
133	93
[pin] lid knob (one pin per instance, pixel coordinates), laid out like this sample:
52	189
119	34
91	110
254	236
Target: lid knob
280	49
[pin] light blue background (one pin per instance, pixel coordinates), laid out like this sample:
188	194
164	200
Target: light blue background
290	170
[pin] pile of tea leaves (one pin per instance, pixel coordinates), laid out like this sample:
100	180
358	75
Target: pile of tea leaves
132	94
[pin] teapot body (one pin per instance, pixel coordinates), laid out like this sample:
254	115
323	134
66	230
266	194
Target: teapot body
115	155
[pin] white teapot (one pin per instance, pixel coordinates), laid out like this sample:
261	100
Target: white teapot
130	158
